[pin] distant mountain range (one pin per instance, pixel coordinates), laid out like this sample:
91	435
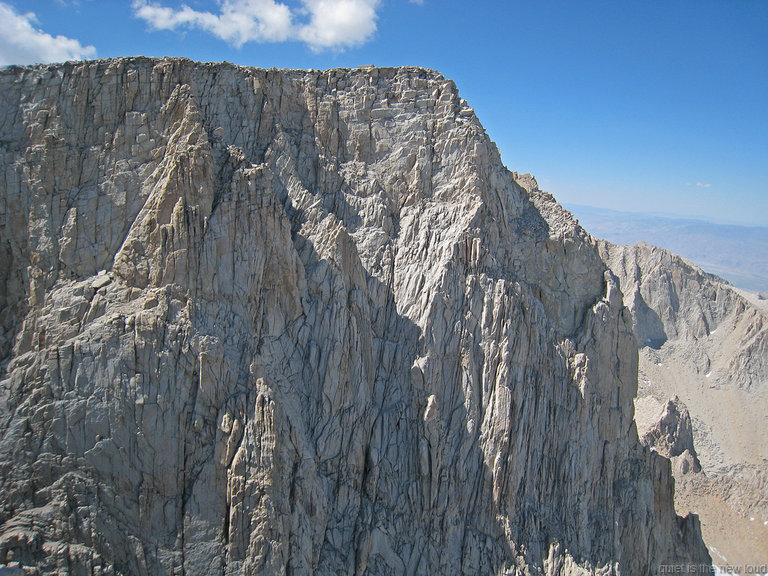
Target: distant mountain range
737	253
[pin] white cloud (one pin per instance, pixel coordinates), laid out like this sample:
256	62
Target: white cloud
238	22
703	185
22	43
331	23
339	23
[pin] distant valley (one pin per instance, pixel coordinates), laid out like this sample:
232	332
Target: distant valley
737	253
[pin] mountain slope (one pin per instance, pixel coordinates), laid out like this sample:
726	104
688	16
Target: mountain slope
706	342
271	322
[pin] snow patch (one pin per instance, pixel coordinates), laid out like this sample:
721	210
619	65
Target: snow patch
717	552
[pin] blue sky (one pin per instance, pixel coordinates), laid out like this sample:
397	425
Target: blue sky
657	106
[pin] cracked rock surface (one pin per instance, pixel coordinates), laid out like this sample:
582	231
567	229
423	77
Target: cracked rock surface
304	322
672	436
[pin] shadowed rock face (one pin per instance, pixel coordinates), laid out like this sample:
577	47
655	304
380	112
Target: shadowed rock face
288	322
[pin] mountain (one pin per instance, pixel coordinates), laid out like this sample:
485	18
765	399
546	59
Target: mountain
737	253
705	344
304	322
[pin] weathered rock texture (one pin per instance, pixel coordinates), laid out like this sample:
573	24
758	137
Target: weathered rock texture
672	436
304	322
706	343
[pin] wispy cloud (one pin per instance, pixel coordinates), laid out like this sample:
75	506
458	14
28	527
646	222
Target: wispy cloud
22	43
321	24
699	184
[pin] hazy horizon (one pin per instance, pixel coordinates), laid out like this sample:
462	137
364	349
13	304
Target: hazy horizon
576	206
734	252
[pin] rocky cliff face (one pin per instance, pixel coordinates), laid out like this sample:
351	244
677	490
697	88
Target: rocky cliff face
303	322
704	341
675	302
672	436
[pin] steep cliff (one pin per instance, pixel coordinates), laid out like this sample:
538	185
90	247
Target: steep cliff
706	342
304	322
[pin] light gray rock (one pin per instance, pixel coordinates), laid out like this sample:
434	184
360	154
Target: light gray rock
710	325
672	436
304	322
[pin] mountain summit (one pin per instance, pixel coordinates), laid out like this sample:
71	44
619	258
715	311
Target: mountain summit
304	322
